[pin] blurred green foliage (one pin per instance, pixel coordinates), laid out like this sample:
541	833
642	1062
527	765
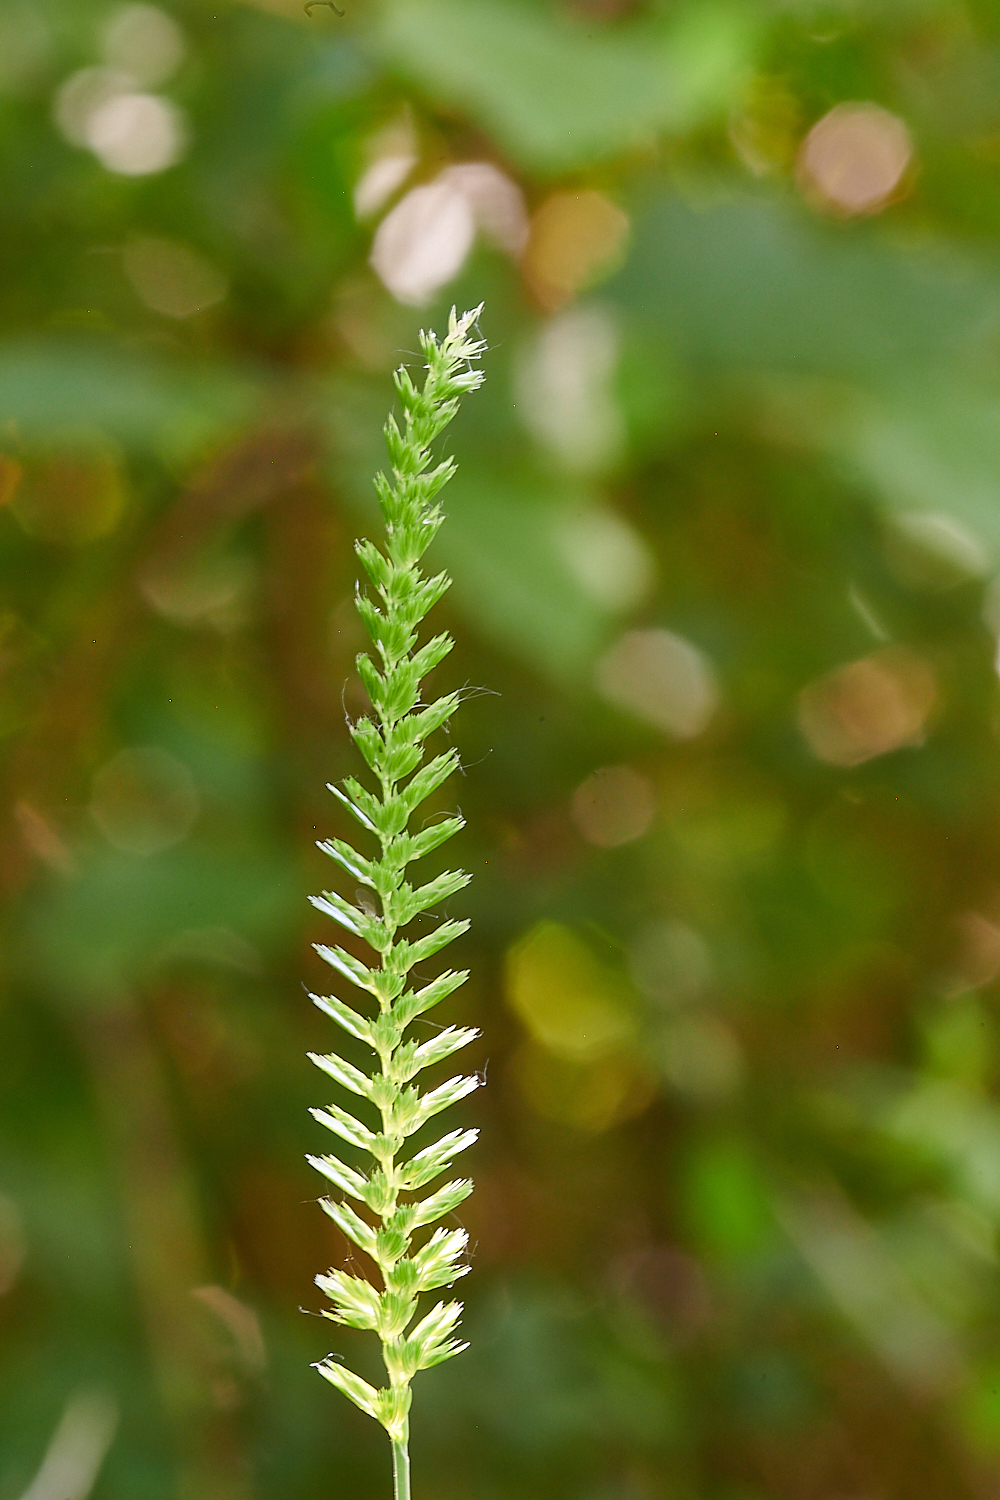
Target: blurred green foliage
725	541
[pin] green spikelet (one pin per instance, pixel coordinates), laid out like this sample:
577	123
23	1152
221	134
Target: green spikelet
392	744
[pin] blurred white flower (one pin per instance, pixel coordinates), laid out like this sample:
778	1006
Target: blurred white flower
563	383
607	556
663	679
144	42
377	185
423	242
497	202
391	154
136	135
82	94
854	158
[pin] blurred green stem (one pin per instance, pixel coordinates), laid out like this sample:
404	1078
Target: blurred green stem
400	1470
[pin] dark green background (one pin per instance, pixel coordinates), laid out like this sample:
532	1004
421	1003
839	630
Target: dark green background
777	1285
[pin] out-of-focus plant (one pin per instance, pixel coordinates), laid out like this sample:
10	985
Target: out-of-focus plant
392	744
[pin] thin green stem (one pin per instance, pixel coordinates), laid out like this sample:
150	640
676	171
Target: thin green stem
400	1471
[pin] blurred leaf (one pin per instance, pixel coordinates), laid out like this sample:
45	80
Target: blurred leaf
933	447
725	1201
856	1268
557	95
751	284
48	387
512	581
96	932
957	1128
930	445
980	1407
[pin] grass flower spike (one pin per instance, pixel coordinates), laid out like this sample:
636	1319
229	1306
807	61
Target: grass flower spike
392	744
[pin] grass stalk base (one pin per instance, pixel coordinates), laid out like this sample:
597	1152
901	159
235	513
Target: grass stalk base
400	1471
